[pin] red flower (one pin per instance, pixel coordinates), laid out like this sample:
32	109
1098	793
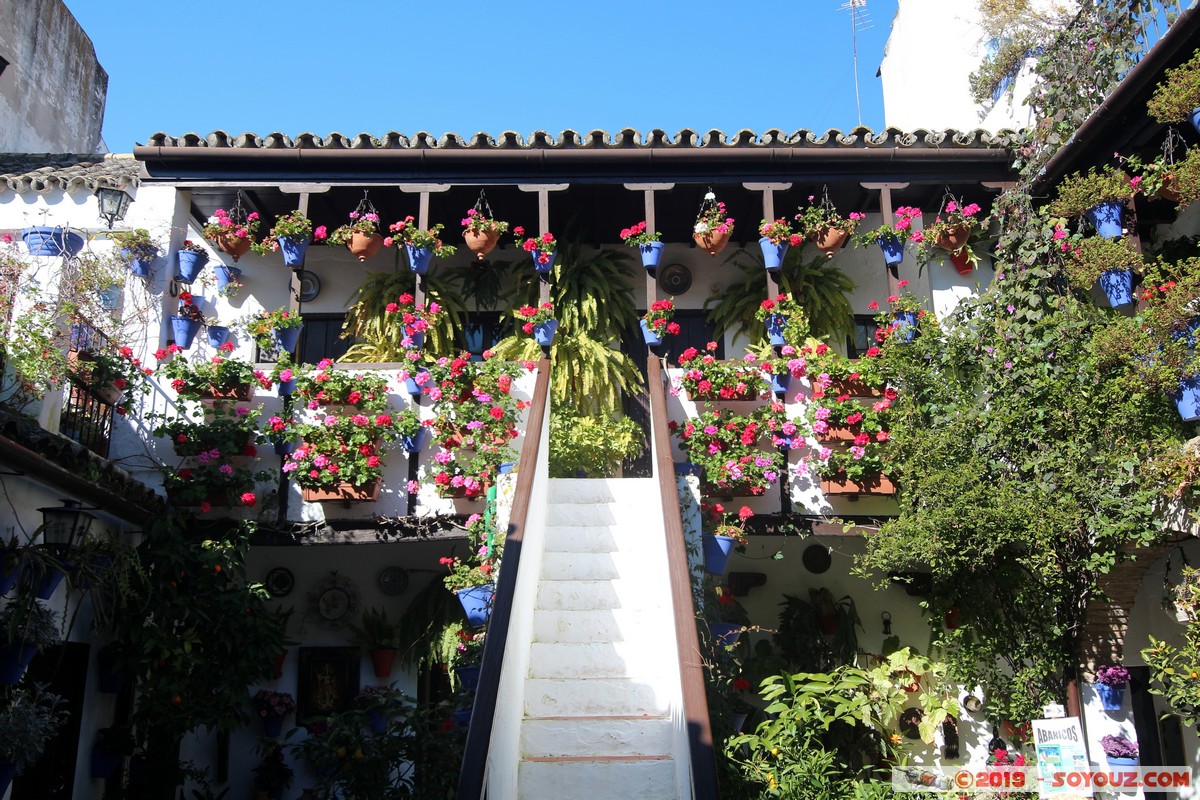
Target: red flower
740	684
496	412
248	499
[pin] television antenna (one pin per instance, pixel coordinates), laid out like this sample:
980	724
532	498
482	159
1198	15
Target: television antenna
859	21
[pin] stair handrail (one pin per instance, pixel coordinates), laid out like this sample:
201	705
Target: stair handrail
472	773
691	665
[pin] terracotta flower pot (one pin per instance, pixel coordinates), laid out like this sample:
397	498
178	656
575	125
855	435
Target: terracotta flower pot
233	245
343	491
712	243
880	484
830	241
955	238
840	433
481	243
242	391
365	246
1168	190
382	661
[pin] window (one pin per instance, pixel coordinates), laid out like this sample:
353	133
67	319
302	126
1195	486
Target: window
862	336
484	330
320	338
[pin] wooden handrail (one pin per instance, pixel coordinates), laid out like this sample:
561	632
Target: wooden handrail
472	773
691	667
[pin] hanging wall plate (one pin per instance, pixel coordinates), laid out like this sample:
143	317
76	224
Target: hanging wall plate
310	286
280	582
393	581
675	279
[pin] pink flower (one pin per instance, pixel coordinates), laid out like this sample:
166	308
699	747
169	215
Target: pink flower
320	233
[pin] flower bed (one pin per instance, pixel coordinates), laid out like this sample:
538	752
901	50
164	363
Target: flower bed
726	446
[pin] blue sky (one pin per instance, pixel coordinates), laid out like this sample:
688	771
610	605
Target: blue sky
263	66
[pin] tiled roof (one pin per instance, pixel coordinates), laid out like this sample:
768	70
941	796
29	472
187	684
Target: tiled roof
628	138
47	172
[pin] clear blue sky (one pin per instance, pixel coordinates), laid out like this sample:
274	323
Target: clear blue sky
302	66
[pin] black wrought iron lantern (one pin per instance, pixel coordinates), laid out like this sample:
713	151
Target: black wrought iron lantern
65	527
113	204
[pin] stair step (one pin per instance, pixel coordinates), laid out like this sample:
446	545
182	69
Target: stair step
581	491
641	566
598	660
595	737
646	627
577	539
645	779
579	515
589	595
590	697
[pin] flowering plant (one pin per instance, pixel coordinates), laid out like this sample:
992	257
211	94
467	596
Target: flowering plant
137	243
279	429
476	222
717	521
469	649
220	224
188	308
1119	746
900	230
789	361
262	326
817	219
286	370
658	318
706	377
855	462
328	386
795	328
268	703
371	695
779	232
1000	757
414	319
212	479
829	369
473	409
193	379
365	224
528	316
193	247
1116	675
346	448
725	445
712	218
293	225
406	232
230	434
904	302
636	235
466	573
119	370
540	248
950	231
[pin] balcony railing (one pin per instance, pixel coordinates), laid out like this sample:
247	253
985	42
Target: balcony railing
87	420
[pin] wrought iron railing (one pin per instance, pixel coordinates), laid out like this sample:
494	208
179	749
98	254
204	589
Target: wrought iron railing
87	419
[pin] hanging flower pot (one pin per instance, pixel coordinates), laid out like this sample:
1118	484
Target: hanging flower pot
830	240
1107	218
543	332
272	724
651	253
893	251
287	338
955	238
717	550
481	243
1117	285
191	264
711	243
235	246
726	633
293	250
772	253
416	443
544	266
415	339
217	335
776	324
363	246
227	275
284	448
1112	696
468	676
10	568
43	583
382	660
1117	761
48	241
461	720
184	329
140	266
780	383
419	258
961	259
685	468
287	388
412	385
906	325
104	764
477	603
648	335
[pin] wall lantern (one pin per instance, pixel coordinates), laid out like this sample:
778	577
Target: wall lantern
113	204
65	526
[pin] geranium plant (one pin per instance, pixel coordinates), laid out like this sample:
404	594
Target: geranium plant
779	232
637	235
414	319
466	573
119	371
219	374
950	231
327	386
406	232
363	223
901	230
212	480
719	522
269	703
529	316
817	219
187	308
725	445
706	377
229	434
658	318
262	326
293	225
193	247
795	321
542	248
712	219
476	222
344	448
222	225
831	371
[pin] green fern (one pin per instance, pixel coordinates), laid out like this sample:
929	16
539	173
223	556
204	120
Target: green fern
378	338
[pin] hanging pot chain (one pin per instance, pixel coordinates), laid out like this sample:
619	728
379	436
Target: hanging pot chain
365	206
1171	144
483	207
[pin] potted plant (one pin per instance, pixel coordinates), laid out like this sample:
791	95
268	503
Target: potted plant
291	234
374	699
191	258
648	243
286	374
360	235
279	328
138	249
26	626
414	321
1100	195
1174	180
725	446
112	377
341	457
332	389
1109	262
219	377
481	232
420	245
538	322
280	432
43	240
833	372
272	775
28	722
473	582
776	237
187	321
836	417
901	322
543	248
713	226
656	323
1177	97
1110	686
380	638
821	224
785	321
271	707
208	483
1120	750
707	378
722	533
891	237
232	233
950	232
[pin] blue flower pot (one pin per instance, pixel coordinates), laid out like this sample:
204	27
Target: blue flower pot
893	251
776	324
1117	285
416	340
293	250
507	467
140	266
539	266
286	338
543	332
1117	761
781	383
272	724
419	258
461	719
14	658
287	388
477	603
726	633
217	335
416	443
285	448
906	325
648	335
411	386
1111	697
1106	218
48	241
717	550
469	676
1187	333
227	275
378	721
9	579
191	264
772	253
685	468
651	253
1187	398
184	330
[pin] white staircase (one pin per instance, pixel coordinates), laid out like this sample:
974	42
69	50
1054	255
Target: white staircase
601	697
